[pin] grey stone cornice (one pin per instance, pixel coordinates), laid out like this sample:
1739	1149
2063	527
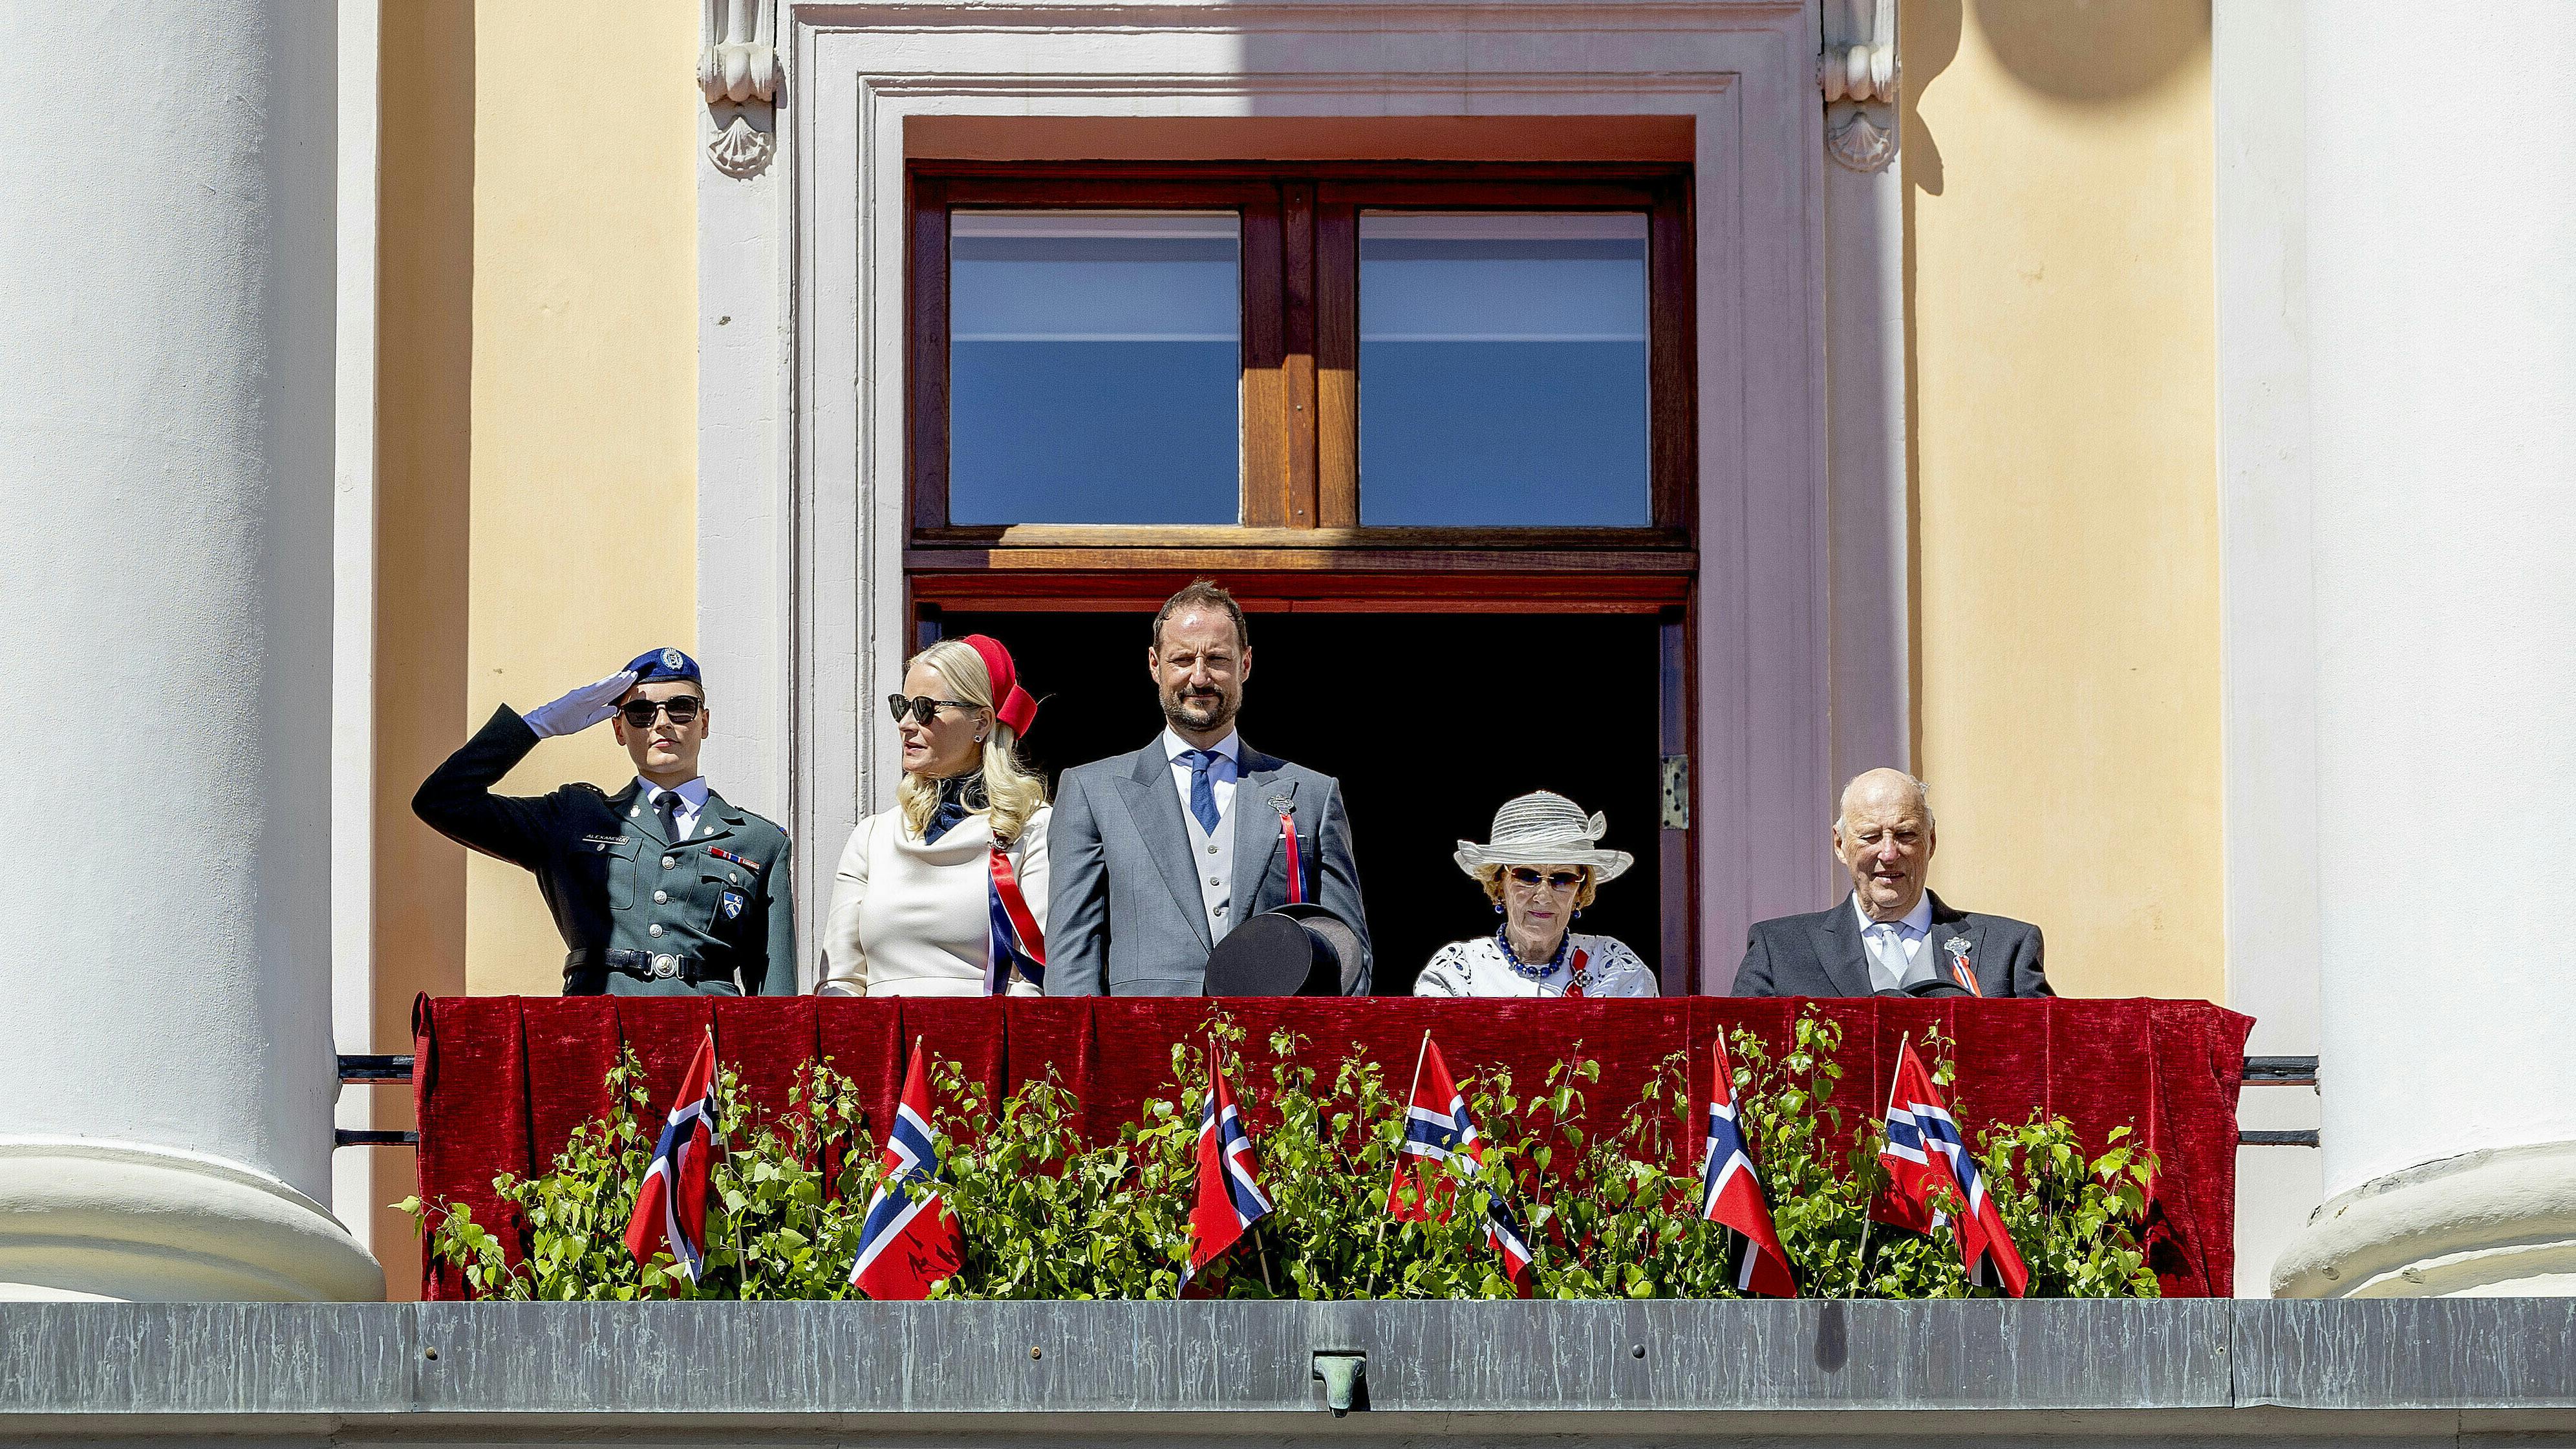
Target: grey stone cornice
1473	1370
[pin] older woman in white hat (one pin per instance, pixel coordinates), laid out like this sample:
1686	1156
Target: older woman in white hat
1540	869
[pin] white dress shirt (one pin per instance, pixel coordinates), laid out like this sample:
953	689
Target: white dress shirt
1220	777
1911	931
693	798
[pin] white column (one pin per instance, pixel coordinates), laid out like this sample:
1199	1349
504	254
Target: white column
2441	242
2259	108
165	618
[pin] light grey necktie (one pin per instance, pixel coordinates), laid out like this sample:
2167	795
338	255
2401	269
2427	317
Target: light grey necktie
1887	963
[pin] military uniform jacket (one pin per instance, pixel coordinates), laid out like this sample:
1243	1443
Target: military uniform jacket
718	904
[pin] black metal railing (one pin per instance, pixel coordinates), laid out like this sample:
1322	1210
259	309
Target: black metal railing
2279	1072
365	1069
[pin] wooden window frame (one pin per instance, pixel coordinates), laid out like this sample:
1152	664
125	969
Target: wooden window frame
1300	479
1300	546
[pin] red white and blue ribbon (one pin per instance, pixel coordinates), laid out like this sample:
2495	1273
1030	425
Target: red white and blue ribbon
1017	947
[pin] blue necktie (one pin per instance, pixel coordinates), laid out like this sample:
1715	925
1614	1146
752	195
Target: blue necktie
1202	793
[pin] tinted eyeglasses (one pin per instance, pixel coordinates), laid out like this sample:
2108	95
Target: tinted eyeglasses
921	707
1555	880
639	712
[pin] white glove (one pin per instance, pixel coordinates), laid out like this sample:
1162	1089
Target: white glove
582	708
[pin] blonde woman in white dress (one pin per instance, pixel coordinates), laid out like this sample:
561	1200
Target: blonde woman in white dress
946	893
1540	870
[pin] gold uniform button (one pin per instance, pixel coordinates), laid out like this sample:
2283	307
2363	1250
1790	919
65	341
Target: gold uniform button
661	898
653	930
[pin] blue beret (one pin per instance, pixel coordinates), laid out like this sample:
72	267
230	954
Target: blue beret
655	665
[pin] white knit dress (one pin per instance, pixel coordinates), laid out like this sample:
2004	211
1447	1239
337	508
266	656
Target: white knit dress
1477	968
910	919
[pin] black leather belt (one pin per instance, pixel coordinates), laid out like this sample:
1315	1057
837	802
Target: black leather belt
645	965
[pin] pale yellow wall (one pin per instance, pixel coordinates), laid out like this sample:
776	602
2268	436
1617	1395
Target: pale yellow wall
584	531
2067	633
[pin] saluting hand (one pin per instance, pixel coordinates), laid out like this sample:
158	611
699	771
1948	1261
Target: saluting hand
582	708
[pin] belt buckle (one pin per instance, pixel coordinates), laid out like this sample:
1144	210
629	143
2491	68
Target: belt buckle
666	967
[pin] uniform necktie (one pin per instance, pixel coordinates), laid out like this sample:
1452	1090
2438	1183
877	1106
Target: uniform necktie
1887	948
669	805
1202	793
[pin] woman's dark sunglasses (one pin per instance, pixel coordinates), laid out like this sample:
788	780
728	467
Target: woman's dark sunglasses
1554	880
639	712
921	707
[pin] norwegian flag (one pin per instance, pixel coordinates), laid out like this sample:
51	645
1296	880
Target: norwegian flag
1436	1125
1230	1197
1731	1193
1924	1151
909	1239
671	1202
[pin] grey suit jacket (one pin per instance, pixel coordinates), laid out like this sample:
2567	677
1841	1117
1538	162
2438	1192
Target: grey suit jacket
1124	915
1822	953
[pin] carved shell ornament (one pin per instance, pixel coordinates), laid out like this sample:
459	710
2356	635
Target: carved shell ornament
1861	143
739	71
741	149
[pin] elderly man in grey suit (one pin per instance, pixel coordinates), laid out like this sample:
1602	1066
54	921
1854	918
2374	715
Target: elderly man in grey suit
1156	855
1892	936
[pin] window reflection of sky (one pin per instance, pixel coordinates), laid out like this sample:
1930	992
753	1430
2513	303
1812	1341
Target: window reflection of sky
1094	367
1503	369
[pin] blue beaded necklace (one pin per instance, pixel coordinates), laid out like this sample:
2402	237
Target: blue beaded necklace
1522	969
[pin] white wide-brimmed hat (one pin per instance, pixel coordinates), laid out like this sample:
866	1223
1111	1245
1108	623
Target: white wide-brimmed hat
1544	828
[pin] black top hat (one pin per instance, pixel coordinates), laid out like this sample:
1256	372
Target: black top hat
1297	950
1933	988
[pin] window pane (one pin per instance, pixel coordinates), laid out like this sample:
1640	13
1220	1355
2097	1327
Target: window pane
1095	367
1503	369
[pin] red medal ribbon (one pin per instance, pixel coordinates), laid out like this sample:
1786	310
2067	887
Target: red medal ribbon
1574	973
1296	863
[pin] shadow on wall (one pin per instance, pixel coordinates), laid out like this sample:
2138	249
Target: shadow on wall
2090	51
2084	52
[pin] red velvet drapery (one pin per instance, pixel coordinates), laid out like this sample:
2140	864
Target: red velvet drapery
502	1081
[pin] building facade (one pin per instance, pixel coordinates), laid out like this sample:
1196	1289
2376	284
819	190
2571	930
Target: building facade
2111	413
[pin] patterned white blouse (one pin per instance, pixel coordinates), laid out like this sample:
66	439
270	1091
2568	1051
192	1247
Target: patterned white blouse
1477	968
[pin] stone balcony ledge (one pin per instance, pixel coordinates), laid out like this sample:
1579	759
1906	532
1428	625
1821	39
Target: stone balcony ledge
1474	1371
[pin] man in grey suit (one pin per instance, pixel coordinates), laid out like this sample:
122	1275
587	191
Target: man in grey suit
1156	855
1892	936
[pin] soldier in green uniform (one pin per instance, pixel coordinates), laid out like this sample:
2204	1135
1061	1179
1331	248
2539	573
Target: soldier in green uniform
662	889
